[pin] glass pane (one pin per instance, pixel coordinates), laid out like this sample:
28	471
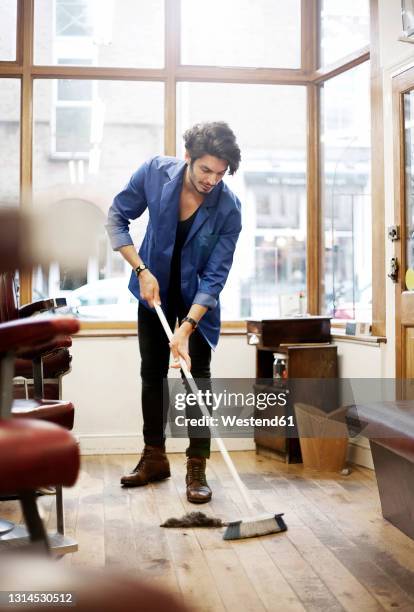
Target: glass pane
70	89
9	142
344	28
73	128
269	269
263	33
346	184
409	184
8	26
85	150
100	32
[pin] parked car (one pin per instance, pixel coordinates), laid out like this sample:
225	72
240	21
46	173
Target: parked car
106	300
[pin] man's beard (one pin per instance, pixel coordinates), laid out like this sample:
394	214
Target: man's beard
192	180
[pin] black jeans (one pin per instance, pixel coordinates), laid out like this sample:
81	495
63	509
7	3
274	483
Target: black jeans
155	355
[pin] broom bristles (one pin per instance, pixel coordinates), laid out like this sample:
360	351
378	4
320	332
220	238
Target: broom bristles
254	527
249	527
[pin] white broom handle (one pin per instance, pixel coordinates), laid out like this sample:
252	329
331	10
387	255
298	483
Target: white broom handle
203	408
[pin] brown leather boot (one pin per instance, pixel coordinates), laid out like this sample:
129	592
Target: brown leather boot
198	491
152	466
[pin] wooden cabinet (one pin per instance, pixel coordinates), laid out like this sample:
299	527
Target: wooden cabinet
312	360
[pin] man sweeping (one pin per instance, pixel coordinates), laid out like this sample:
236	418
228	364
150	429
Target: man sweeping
182	264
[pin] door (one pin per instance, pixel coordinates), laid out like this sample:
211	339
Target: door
403	111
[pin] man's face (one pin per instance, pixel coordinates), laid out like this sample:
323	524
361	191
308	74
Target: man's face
206	172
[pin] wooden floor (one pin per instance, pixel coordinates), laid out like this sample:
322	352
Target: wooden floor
338	554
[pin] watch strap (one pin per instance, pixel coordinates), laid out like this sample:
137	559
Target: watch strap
190	320
140	269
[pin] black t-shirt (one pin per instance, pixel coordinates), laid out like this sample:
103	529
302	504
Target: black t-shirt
175	300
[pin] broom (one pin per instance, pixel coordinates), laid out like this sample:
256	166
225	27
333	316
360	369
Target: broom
249	527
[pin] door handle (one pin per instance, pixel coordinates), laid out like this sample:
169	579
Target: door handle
394	269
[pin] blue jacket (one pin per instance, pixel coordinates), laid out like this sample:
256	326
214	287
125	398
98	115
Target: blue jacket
207	253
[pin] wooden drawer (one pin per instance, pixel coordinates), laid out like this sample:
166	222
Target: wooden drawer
273	332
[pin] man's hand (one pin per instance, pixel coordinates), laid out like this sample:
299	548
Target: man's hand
179	346
149	288
148	284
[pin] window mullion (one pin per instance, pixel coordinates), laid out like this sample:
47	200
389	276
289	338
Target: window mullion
314	216
172	58
26	27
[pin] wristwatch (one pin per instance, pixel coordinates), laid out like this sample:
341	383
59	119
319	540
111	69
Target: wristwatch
190	320
140	269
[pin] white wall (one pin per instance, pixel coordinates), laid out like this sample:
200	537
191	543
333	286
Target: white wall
361	360
105	387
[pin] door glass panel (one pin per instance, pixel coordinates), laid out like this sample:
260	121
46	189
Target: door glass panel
409	185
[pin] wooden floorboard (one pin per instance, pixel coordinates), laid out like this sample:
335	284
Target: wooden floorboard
338	553
331	516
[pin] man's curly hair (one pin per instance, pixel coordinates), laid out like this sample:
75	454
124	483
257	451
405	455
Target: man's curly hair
215	138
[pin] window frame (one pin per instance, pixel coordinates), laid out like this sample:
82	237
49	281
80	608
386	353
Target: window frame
309	75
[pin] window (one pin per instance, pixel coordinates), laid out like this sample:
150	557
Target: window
346	184
76	105
91	159
344	28
106	32
95	124
10	142
269	269
261	34
8	27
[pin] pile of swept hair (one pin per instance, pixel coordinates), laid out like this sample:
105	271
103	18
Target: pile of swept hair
215	138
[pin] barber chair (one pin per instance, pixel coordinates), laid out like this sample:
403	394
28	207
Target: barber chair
33	454
37	375
33	367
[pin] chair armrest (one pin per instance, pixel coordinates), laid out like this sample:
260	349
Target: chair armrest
20	336
54	364
27	310
59	342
